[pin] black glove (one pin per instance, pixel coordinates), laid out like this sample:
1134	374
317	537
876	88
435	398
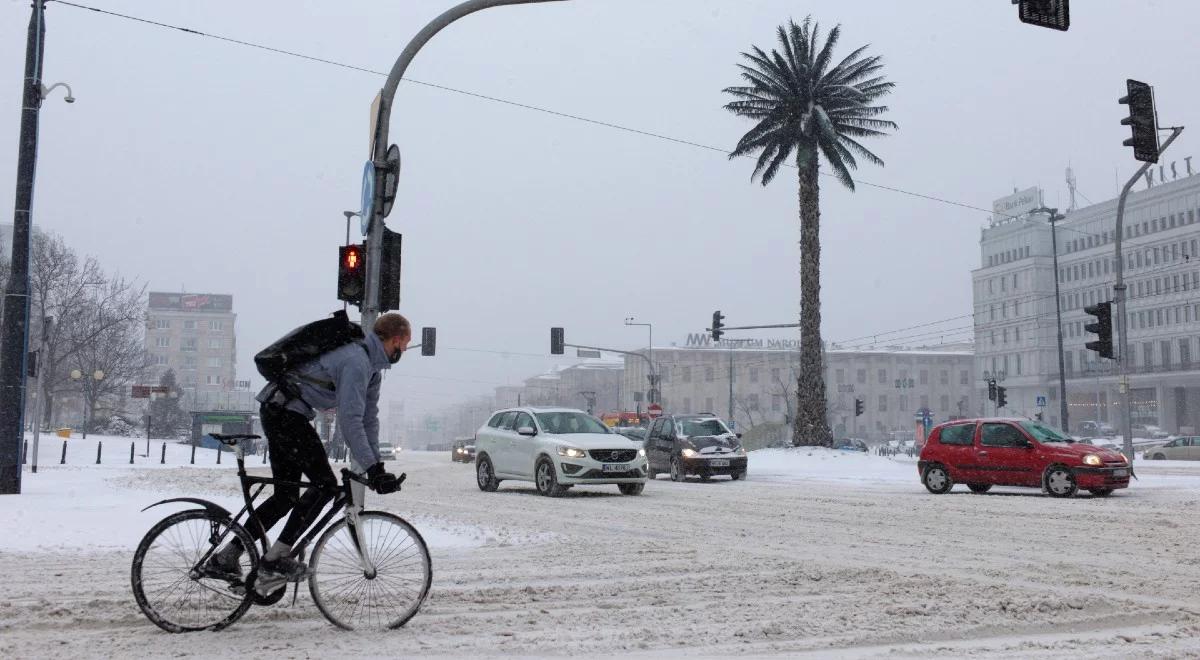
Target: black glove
382	481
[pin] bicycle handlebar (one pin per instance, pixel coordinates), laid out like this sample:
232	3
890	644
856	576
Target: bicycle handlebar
347	474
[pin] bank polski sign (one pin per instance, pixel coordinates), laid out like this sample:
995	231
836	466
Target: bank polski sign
1018	203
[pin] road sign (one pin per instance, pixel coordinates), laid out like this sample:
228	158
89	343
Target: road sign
654	410
1041	402
368	197
586	353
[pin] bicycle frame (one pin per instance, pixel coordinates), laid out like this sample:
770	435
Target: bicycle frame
342	497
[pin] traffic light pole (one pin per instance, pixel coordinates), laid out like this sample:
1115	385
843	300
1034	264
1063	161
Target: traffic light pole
371	300
654	394
1119	291
14	337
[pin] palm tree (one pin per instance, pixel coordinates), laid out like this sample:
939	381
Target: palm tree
802	104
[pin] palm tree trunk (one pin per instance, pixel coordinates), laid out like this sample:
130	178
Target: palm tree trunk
811	426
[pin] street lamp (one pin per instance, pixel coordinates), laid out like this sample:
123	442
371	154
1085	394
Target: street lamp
654	394
1055	216
77	376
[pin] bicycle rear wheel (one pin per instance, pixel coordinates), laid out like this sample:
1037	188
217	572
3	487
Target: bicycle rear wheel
168	583
352	599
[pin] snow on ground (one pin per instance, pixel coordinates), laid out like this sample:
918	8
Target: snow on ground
819	554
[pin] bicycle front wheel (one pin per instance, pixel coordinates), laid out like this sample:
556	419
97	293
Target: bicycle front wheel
169	582
352	597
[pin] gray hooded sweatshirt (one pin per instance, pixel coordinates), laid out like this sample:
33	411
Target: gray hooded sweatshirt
346	378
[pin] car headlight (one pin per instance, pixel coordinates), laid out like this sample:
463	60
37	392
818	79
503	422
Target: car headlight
741	451
1092	459
642	453
688	452
571	452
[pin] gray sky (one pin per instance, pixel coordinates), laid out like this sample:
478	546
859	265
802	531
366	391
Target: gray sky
190	162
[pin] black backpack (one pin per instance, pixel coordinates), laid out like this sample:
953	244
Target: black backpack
305	344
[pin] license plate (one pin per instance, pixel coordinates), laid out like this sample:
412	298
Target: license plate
616	467
1121	473
719	462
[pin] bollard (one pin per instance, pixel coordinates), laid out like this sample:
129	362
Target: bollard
264	454
131	453
63	460
24	452
219	452
193	461
163	460
99	446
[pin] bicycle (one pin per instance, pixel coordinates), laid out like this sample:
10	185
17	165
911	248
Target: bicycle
370	569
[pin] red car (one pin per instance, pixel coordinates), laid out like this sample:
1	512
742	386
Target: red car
1017	452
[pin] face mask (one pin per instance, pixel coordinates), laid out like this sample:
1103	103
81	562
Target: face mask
395	355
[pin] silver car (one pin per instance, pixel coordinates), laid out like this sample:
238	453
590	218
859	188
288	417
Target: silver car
1186	448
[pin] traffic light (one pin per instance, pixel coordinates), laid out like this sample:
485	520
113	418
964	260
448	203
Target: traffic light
557	341
1054	14
428	341
1142	121
858	407
991	389
389	271
1102	328
352	273
1001	396
717	324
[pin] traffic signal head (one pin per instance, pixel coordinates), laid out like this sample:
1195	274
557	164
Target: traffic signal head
858	407
991	389
1142	121
1054	14
428	341
717	324
1102	328
389	271
1001	396
557	341
352	273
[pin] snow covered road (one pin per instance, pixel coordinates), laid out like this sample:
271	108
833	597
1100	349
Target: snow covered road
818	554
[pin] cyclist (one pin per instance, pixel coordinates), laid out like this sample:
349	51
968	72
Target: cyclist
346	378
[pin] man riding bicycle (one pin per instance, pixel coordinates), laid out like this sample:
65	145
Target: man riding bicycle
347	379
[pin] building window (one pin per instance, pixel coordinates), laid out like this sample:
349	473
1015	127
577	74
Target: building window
775	374
964	377
882	403
945	375
214	362
189	325
189	362
776	403
1018	364
162	324
883	376
861	377
753	401
162	342
160	360
708	374
753	374
215	343
1185	352
924	376
687	374
1017	333
841	376
216	326
189	344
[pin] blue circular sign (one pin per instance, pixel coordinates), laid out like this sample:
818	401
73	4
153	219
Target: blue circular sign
368	197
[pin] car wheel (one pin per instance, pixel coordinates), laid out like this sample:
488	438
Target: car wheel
705	477
631	489
547	480
737	476
1159	457
485	476
937	480
979	488
1101	492
1059	481
677	473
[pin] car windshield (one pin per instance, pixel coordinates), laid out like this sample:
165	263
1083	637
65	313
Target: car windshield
570	422
1043	433
698	427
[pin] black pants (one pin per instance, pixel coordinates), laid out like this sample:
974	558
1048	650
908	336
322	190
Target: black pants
295	450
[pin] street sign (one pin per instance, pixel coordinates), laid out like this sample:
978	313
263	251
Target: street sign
586	353
140	392
654	410
1041	402
368	197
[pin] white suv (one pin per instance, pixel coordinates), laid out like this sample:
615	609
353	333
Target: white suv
556	448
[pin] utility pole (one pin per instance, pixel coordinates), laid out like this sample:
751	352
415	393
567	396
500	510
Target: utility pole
14	341
590	397
1062	368
1123	355
731	420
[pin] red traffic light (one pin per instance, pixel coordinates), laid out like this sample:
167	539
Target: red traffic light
352	257
352	275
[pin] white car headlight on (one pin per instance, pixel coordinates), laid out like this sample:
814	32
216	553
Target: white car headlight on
642	453
1092	459
571	452
688	452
